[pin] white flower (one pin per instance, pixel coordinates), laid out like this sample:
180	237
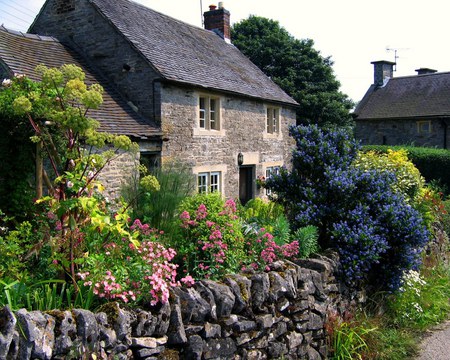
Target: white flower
70	184
19	76
6	82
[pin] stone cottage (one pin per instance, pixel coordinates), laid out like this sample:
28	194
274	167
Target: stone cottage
217	111
405	110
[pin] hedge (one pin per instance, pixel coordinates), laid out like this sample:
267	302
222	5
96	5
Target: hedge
433	164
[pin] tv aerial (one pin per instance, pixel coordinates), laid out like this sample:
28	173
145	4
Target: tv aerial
395	50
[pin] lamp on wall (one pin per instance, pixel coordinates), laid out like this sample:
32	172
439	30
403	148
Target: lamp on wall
240	158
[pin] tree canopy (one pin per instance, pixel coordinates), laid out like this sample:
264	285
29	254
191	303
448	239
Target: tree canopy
299	69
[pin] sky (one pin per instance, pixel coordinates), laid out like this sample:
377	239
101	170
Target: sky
352	32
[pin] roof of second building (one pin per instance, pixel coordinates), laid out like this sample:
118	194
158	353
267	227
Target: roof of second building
22	52
426	95
189	54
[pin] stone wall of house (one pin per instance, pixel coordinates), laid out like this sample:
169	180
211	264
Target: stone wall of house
399	132
119	173
276	314
84	30
243	125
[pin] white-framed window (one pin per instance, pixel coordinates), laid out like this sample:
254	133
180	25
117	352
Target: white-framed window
424	127
270	171
209	113
208	182
272	120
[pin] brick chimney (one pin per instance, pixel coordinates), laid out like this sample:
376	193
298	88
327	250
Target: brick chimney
218	20
383	70
423	71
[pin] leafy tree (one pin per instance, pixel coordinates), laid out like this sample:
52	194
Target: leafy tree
299	69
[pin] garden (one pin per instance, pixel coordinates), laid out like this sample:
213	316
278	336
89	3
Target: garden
72	247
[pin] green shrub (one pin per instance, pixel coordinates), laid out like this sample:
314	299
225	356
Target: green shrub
14	248
433	164
261	211
308	239
408	178
211	244
357	211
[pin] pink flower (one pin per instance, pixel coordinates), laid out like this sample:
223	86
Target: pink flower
201	212
216	234
188	280
185	216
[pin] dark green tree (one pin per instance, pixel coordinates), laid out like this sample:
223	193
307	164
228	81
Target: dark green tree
299	69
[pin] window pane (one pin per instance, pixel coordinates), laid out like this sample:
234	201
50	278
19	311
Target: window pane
214	182
269	123
202	182
275	120
202	112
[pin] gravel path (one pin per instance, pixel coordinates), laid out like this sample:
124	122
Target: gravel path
436	344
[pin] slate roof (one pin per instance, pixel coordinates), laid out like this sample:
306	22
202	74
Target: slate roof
22	52
188	54
416	96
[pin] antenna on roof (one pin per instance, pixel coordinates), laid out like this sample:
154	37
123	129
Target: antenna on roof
201	12
395	55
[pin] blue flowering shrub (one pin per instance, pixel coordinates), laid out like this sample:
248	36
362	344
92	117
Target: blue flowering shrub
357	211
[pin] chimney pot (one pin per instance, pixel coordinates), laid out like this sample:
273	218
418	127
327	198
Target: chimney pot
218	20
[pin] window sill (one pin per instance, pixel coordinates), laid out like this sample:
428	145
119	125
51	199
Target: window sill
278	136
204	132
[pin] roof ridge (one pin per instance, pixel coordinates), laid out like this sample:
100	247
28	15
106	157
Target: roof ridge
413	76
165	15
28	35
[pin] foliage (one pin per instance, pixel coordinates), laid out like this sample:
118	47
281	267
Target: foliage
421	303
159	209
401	317
377	234
299	69
262	250
43	295
433	164
307	238
14	247
211	243
446	216
261	211
17	154
347	337
408	179
118	269
91	247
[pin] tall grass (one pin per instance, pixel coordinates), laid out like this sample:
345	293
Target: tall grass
160	208
44	295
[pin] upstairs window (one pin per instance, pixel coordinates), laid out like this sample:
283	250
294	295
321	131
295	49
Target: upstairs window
273	120
208	182
209	113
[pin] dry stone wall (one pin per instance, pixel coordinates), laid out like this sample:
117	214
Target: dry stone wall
276	314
